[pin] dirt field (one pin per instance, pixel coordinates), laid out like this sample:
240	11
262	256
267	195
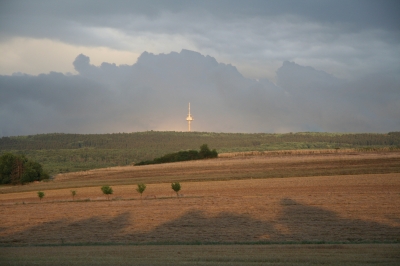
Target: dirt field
253	209
271	165
335	208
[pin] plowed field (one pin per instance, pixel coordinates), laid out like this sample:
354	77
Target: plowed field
330	208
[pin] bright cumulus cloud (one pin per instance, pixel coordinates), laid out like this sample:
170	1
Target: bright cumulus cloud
36	56
341	70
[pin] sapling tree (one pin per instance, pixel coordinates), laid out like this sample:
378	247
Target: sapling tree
107	190
176	187
40	195
73	193
140	189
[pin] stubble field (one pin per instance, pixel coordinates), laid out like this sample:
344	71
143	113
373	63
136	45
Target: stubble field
245	206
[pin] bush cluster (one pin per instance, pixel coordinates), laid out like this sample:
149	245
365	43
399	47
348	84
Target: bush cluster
17	169
180	156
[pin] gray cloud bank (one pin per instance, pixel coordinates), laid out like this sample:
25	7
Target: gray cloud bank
346	38
153	94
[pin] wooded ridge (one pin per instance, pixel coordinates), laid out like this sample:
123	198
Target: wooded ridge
59	152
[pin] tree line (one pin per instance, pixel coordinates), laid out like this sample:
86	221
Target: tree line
188	140
60	153
204	153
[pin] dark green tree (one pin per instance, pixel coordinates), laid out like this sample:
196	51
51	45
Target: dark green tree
7	168
33	171
205	152
17	169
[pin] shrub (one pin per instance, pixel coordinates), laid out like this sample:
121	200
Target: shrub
107	190
73	193
176	187
40	195
140	189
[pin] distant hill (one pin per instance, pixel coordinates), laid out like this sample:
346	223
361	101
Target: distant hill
60	152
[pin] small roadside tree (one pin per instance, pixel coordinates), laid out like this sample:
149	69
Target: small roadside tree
107	190
176	187
40	195
140	189
73	193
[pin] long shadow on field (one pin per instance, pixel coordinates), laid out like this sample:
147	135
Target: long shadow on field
94	229
297	222
195	226
303	222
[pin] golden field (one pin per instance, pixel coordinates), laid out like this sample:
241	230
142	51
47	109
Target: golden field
332	208
314	209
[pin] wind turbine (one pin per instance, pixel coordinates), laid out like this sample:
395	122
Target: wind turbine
189	119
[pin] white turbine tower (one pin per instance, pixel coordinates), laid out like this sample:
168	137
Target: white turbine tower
189	119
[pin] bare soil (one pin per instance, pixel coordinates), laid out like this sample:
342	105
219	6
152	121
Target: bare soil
327	208
268	165
352	208
263	166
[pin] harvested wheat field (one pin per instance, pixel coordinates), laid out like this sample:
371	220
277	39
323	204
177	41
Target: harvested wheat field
339	208
333	208
336	199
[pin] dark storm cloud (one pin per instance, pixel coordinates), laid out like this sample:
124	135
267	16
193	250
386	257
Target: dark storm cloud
49	102
62	19
355	43
362	13
345	38
153	95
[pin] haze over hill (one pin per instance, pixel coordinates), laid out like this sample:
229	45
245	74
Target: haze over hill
153	94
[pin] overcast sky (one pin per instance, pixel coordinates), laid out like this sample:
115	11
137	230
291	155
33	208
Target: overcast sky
351	41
